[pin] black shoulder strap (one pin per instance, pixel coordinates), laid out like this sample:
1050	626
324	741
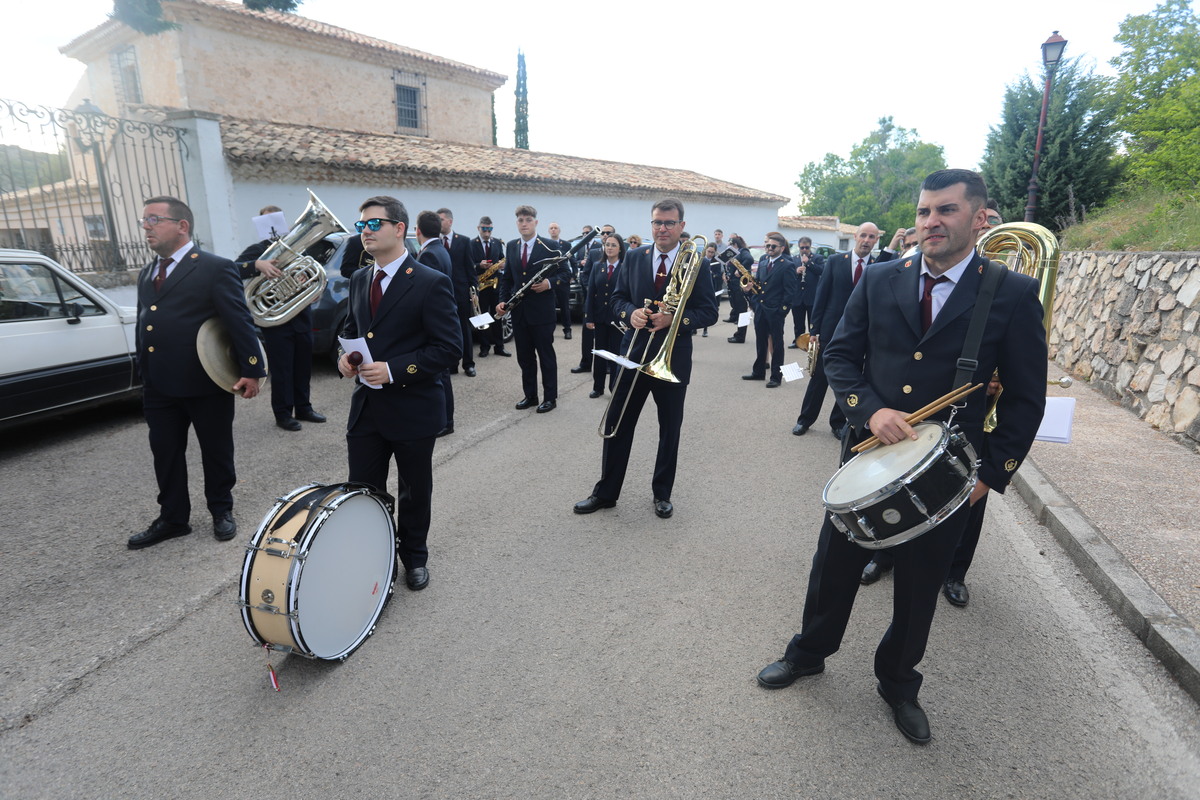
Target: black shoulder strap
968	362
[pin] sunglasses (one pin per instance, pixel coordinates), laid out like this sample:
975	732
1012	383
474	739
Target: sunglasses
488	229
373	224
805	247
771	246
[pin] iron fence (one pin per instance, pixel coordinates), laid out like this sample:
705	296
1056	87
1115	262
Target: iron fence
72	182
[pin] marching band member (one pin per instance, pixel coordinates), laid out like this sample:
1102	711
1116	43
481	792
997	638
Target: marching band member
486	250
897	349
597	312
777	280
646	274
407	313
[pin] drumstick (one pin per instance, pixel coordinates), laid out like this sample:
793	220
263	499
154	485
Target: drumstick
920	414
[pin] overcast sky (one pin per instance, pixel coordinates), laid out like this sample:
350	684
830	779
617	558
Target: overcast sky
747	91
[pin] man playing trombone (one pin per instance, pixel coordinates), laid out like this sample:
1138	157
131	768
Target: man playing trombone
642	283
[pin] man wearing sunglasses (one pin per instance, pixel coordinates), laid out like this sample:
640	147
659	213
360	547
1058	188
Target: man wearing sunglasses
406	312
177	293
486	250
777	281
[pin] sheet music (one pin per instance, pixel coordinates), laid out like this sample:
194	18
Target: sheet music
360	346
792	372
270	226
482	320
745	318
1057	421
617	359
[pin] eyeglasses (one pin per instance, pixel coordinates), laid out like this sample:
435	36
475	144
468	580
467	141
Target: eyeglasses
373	224
487	229
994	221
805	247
665	223
154	219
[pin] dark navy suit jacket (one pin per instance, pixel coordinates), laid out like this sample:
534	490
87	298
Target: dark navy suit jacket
203	286
535	308
636	283
417	332
833	290
778	285
878	357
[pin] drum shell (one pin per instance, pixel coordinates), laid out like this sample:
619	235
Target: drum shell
273	570
913	503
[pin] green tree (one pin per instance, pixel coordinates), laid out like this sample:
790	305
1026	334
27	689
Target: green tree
145	16
522	122
1159	95
879	182
1077	171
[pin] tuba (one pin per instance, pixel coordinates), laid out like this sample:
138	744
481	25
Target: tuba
1031	249
274	301
682	280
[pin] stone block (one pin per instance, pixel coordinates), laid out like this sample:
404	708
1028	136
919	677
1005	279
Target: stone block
1157	392
1186	410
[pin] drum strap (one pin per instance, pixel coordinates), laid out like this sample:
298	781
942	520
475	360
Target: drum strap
968	362
303	504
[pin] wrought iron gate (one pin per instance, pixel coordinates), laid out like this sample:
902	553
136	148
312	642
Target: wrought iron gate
72	182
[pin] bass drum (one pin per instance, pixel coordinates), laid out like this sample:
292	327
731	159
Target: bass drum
319	570
892	494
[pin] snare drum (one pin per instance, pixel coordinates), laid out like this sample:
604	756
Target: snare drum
319	570
894	493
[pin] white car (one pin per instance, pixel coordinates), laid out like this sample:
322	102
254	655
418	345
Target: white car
64	344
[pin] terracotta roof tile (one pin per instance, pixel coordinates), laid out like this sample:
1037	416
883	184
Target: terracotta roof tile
254	146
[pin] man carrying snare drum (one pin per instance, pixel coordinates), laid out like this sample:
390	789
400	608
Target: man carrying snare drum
896	350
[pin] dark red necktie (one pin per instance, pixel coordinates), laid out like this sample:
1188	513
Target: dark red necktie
610	268
377	290
660	278
524	255
927	300
858	272
163	263
446	242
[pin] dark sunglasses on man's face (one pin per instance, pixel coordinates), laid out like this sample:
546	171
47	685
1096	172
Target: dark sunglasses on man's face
805	247
771	246
374	224
486	229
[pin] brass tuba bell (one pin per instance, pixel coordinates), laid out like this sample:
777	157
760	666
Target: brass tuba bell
274	301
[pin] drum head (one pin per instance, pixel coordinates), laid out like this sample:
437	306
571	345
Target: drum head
346	575
864	475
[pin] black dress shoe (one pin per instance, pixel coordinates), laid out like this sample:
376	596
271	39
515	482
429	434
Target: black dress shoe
224	528
784	673
872	572
800	429
470	371
483	352
793	346
753	377
526	402
593	503
773	383
500	351
288	424
417	578
446	431
310	416
663	508
731	319
735	340
548	405
566	333
580	369
838	433
956	592
910	718
594	393
159	531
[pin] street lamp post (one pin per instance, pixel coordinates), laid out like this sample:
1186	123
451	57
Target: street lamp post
1052	50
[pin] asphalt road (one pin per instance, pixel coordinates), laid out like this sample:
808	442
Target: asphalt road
553	655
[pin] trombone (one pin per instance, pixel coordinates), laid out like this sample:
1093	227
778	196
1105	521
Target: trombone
684	271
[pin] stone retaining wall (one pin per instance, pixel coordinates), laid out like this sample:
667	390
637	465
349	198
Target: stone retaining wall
1127	323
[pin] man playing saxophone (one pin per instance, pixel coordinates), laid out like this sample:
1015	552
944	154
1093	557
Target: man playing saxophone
643	281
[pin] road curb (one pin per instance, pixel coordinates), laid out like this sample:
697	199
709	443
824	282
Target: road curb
1164	632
